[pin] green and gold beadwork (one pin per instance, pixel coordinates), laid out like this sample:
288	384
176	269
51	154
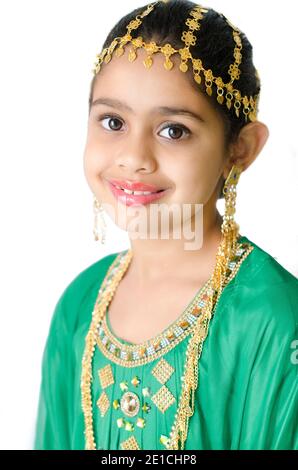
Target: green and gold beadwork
130	444
130	404
163	399
103	403
132	355
106	376
162	371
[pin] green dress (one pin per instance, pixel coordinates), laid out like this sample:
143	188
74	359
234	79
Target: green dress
247	390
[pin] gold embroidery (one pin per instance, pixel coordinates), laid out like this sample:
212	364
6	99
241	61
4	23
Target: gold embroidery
106	376
113	276
133	355
197	350
163	399
162	371
130	444
130	404
103	403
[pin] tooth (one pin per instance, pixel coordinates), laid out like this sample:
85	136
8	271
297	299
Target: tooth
127	191
136	193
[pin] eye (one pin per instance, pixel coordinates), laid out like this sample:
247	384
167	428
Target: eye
113	125
111	119
181	129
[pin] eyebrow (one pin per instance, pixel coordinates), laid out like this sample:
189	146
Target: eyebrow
165	110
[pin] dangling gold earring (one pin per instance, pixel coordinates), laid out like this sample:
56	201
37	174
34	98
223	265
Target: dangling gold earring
229	228
99	233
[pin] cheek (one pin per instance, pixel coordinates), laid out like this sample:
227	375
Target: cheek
92	168
95	158
93	171
197	177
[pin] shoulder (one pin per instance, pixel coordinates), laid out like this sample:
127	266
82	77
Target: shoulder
77	300
263	294
262	268
93	274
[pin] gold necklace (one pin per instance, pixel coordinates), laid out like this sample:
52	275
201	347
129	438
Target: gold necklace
194	349
225	269
105	295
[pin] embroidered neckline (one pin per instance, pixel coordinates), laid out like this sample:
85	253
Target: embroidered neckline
178	324
129	354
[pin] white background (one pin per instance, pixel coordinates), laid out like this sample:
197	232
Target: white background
47	53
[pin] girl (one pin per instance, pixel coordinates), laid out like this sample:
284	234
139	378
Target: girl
169	344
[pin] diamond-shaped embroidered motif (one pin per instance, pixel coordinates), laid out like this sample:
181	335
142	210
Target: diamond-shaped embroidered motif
162	371
103	403
106	376
163	398
130	444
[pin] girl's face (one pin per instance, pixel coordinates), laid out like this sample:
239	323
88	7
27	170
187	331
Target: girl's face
153	126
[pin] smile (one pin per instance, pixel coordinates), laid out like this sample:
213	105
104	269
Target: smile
129	197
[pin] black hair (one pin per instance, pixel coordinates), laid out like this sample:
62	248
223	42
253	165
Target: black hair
215	47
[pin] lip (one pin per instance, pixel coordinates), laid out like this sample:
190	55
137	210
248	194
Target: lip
131	199
135	185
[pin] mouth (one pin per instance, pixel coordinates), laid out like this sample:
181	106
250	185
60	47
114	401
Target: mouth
138	193
129	197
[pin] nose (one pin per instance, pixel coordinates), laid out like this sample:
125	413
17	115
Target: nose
136	156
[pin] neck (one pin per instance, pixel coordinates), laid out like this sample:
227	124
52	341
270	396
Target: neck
163	259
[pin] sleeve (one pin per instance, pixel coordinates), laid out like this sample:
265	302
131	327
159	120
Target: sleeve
270	415
52	429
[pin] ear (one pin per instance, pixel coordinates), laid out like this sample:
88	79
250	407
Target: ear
250	141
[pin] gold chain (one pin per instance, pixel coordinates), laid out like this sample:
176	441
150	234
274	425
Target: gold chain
190	379
226	93
107	292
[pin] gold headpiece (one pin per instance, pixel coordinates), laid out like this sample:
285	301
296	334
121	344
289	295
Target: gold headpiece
225	91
